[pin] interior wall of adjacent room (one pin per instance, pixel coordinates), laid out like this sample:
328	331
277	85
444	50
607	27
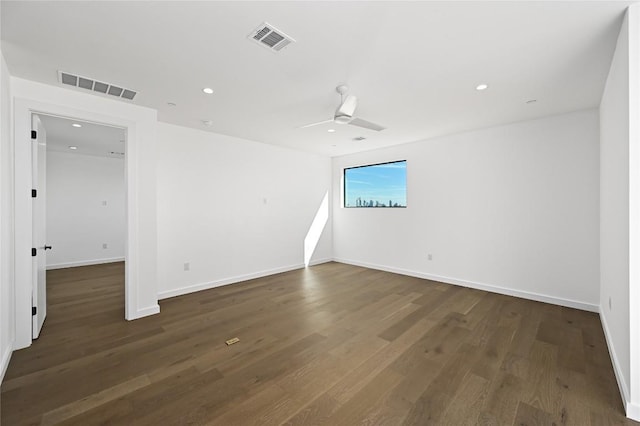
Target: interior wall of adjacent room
7	311
512	209
85	209
233	209
619	211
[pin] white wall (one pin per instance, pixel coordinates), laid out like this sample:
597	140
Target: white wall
619	114
234	209
614	208
7	312
633	408
512	209
78	221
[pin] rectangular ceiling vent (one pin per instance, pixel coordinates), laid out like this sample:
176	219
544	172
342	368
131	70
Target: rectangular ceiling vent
96	86
266	35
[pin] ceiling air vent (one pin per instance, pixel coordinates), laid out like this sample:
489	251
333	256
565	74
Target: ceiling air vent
266	35
96	86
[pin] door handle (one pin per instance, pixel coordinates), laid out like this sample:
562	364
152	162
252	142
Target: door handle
47	247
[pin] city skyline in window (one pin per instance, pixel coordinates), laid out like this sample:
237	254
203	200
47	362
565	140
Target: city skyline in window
376	185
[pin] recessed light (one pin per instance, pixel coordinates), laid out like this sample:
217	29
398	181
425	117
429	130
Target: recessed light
331	130
76	125
207	123
532	101
171	104
208	90
482	86
73	147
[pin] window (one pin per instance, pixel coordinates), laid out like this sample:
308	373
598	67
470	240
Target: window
376	185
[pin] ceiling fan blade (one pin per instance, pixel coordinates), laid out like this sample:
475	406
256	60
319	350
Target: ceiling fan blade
316	124
366	124
348	107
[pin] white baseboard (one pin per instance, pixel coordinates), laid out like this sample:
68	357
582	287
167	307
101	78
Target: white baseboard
633	411
84	263
232	280
479	286
145	312
320	261
6	357
622	384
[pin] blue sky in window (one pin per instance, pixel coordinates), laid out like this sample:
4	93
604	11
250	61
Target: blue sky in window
377	184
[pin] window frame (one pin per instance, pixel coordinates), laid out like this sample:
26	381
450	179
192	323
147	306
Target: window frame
344	185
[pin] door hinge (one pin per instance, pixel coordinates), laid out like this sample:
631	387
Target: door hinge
34	134
34	193
33	251
34	310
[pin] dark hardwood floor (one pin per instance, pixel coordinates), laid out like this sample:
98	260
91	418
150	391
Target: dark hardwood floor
332	344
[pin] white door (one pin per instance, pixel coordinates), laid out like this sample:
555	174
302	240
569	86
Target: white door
39	180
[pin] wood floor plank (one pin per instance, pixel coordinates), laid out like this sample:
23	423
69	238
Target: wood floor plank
493	351
434	401
501	405
326	345
531	416
265	408
467	402
95	400
358	408
543	390
315	413
572	409
355	380
401	326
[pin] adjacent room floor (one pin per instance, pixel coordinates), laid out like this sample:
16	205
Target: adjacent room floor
332	344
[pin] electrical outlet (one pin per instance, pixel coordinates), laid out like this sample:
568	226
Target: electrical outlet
429	256
104	245
104	203
187	266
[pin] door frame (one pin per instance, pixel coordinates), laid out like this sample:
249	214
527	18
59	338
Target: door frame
23	110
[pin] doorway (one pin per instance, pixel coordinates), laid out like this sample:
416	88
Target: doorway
85	195
78	200
140	284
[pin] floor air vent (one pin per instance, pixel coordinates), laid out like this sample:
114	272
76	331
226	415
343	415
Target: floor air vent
266	35
96	86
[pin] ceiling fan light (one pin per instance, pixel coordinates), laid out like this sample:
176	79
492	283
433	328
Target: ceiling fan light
342	119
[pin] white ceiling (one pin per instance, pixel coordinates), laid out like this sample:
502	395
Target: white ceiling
414	66
90	139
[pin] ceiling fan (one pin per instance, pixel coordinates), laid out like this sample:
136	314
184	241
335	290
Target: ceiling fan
344	113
